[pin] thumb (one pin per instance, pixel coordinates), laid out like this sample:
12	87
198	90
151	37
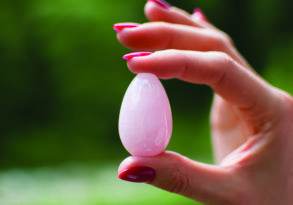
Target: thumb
176	173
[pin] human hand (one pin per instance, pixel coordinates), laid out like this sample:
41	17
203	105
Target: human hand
252	122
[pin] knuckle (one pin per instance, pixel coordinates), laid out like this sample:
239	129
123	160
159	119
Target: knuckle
223	59
223	41
170	41
288	98
225	64
180	183
286	101
227	39
161	26
171	38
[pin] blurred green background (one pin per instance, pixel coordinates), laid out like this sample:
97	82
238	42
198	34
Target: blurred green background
62	81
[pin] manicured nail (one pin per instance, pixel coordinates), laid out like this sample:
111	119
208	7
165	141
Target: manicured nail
138	174
129	56
198	13
118	27
161	3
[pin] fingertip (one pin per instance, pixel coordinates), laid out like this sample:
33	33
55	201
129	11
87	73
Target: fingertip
127	34
119	27
136	61
171	15
163	4
198	14
153	12
133	161
164	64
138	174
125	163
130	56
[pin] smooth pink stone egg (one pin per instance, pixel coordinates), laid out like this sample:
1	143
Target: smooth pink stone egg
145	122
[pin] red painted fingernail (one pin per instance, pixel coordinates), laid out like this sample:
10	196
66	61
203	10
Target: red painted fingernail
138	174
198	13
129	56
161	3
118	27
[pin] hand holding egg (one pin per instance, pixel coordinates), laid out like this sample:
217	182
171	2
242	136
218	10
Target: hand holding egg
251	120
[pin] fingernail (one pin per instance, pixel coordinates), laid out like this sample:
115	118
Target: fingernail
118	27
138	174
161	3
129	56
198	13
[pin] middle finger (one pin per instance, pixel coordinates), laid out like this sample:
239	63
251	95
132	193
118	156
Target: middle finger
160	36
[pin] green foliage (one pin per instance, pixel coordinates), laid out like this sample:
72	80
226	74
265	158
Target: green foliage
279	71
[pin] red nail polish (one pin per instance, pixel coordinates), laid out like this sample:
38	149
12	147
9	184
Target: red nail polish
198	13
129	56
162	3
138	174
118	27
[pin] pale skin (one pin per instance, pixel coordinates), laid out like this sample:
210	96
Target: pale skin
251	121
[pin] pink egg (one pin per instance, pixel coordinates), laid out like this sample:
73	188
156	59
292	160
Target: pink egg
145	122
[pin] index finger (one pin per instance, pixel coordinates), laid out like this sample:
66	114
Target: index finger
239	86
